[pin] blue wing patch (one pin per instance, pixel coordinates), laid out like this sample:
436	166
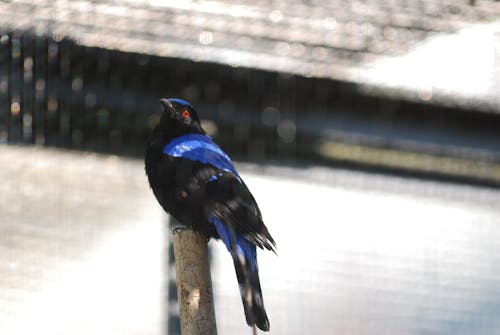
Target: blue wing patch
201	148
180	102
243	247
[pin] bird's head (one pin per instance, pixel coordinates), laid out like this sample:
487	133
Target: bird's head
180	116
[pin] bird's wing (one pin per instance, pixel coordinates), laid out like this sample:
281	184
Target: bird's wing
228	200
230	203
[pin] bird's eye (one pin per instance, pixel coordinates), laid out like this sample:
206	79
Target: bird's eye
185	114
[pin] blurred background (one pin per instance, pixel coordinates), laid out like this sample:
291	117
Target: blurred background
368	131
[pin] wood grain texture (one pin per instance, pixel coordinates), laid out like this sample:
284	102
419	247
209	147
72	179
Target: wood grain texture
194	285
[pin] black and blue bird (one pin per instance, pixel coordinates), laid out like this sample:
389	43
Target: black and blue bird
195	181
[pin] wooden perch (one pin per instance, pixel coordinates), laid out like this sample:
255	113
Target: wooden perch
194	285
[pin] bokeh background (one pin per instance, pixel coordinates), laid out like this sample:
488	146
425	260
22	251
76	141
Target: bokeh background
368	131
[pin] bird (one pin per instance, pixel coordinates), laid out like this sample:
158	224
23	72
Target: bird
195	181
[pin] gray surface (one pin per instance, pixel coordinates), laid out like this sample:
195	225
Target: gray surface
81	251
370	254
80	245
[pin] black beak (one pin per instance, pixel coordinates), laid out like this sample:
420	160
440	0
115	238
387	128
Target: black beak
167	106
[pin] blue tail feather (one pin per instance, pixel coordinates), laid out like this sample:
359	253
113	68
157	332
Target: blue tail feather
243	247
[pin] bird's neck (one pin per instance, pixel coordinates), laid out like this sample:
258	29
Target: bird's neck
167	131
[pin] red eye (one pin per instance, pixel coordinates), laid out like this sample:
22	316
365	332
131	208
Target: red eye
185	114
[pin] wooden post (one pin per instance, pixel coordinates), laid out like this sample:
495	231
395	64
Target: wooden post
194	284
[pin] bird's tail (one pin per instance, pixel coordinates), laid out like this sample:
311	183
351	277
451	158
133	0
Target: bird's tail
251	294
244	256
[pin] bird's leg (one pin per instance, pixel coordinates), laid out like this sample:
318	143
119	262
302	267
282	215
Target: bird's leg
175	225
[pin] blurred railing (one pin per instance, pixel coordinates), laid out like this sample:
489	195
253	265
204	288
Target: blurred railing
89	75
55	92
